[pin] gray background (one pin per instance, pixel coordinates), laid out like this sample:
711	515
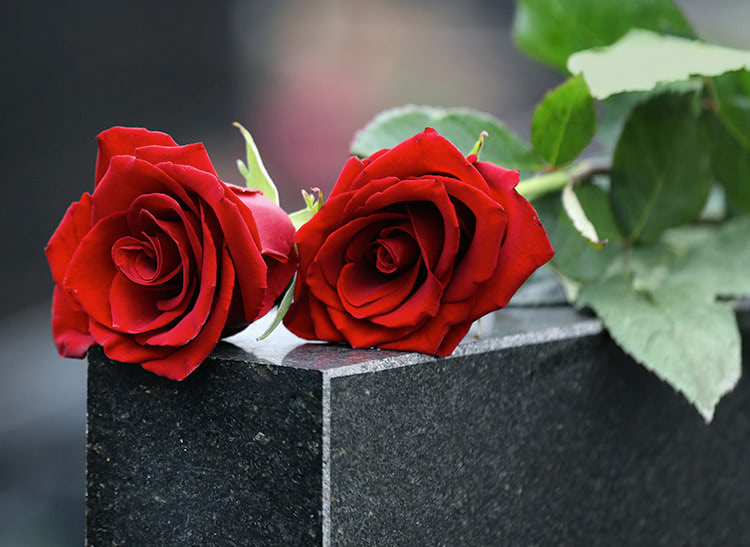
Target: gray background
301	76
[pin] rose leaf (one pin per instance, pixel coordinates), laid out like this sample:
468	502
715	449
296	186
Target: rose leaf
719	265
313	203
255	173
689	342
564	122
459	125
550	30
575	258
641	60
615	110
728	127
286	301
578	217
660	169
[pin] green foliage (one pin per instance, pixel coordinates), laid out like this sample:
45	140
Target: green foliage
578	217
575	257
641	60
254	171
313	203
730	161
616	109
564	122
461	126
286	301
729	135
660	169
551	30
717	265
692	344
732	94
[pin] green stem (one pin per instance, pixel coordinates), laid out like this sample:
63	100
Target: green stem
541	185
544	184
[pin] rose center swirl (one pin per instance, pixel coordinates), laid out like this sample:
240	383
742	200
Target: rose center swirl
395	250
149	261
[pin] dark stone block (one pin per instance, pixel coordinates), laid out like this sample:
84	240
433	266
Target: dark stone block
543	432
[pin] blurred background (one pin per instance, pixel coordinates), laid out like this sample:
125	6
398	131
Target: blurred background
301	76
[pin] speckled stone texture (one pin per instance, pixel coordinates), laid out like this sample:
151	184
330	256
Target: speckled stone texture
229	456
543	433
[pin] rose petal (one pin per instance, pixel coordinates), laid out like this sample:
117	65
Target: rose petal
91	270
134	308
240	232
128	178
424	303
190	325
352	168
524	249
309	238
194	155
64	242
70	326
423	154
419	195
362	333
178	365
480	258
429	337
122	347
396	251
162	211
274	227
322	275
122	141
454	336
360	248
365	292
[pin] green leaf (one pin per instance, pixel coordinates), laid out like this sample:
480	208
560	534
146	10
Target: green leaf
732	92
564	122
730	161
660	176
254	171
286	301
718	264
575	258
692	344
641	60
578	217
313	202
616	109
551	30
459	125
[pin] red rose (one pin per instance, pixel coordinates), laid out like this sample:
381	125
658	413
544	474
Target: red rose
163	258
412	246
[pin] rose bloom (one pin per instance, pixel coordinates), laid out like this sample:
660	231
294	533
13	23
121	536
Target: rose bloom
413	245
163	258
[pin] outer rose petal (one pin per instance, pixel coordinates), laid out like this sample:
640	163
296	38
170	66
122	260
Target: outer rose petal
64	242
122	141
70	326
194	155
91	270
423	154
126	180
275	229
524	249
